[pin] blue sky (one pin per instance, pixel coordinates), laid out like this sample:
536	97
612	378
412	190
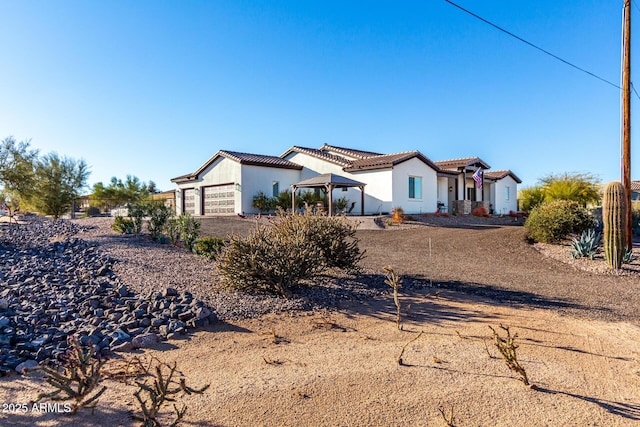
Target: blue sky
154	88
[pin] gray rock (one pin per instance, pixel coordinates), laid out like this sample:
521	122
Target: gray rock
4	303
145	340
26	366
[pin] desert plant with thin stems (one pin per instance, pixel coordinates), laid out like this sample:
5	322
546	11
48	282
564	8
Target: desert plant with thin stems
158	393
395	282
448	419
399	358
78	378
508	349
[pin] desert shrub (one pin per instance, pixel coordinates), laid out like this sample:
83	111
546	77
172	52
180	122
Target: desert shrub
554	221
340	204
189	229
173	231
209	247
276	258
78	378
587	245
397	215
123	225
335	236
262	202
530	198
159	214
268	261
481	211
137	212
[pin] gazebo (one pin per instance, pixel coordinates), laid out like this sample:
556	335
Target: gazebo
328	181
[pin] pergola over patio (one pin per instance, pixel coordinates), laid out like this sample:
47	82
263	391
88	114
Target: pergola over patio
328	181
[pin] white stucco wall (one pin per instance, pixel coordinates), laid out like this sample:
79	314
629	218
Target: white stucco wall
260	178
500	204
378	192
401	173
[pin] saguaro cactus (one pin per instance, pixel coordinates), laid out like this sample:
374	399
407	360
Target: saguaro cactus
614	208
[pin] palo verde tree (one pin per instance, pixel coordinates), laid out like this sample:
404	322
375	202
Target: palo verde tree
117	193
16	167
57	182
582	188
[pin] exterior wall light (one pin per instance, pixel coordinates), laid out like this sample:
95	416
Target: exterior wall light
238	186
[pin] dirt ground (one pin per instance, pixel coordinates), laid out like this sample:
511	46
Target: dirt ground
577	333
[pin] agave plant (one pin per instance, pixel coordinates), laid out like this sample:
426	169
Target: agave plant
627	258
587	245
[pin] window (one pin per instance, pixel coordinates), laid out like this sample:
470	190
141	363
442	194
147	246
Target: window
415	187
506	193
276	188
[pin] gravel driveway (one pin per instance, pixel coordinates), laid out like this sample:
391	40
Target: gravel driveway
488	260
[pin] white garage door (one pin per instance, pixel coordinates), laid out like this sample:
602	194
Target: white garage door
219	199
189	201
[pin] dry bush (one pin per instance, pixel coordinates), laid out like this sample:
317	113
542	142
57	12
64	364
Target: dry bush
508	349
275	258
152	397
78	378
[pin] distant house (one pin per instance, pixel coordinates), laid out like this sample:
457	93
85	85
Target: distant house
635	191
227	182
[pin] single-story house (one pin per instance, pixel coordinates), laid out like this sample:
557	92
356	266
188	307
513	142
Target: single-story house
227	182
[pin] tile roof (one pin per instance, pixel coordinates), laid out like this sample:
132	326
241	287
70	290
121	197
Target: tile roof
259	160
242	158
499	174
358	154
387	160
461	163
635	185
314	152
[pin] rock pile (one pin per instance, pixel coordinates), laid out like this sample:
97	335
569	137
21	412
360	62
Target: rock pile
53	285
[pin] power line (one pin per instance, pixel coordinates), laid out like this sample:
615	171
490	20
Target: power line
533	45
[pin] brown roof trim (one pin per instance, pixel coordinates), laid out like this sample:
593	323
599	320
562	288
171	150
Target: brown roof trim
313	152
388	161
358	154
242	158
499	174
462	163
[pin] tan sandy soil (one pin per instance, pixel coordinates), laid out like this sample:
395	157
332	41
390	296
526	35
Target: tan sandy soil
340	369
578	334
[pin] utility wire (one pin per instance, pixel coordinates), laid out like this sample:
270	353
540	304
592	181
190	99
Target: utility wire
534	46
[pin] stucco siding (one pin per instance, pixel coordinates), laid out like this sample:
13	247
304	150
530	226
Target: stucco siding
378	192
427	201
259	178
500	203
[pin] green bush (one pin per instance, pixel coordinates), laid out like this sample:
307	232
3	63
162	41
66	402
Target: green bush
554	221
173	231
137	212
262	202
277	257
123	225
210	247
189	229
530	198
159	214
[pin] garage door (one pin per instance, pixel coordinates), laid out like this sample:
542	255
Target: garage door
189	201
219	199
